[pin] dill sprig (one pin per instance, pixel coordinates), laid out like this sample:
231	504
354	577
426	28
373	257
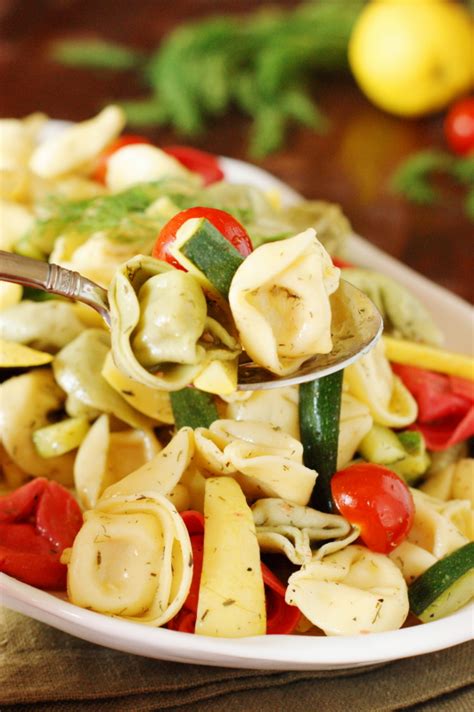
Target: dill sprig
95	54
412	179
120	215
261	63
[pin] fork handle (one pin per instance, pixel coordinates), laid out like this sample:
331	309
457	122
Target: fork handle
54	279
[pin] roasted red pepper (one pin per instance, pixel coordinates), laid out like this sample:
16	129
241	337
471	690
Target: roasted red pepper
281	618
37	522
445	405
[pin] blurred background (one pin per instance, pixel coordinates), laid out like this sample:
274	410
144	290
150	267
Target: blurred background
344	100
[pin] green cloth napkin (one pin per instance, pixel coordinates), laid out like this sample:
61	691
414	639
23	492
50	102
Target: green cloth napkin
43	669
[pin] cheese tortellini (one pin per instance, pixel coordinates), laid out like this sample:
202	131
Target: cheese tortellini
350	592
132	558
162	335
294	530
265	461
279	298
372	381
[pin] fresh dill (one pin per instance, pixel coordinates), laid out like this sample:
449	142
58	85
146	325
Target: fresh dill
260	63
413	178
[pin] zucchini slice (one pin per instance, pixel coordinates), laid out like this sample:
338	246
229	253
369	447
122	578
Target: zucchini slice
444	587
62	437
193	408
210	252
319	411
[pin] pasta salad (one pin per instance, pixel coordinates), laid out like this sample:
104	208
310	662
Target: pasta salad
138	478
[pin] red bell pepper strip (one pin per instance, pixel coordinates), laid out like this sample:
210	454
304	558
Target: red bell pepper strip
445	405
281	618
37	522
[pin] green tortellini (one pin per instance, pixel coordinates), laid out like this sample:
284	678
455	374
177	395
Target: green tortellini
403	314
162	334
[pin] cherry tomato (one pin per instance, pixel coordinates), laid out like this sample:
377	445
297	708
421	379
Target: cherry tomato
206	164
459	126
100	169
378	501
230	228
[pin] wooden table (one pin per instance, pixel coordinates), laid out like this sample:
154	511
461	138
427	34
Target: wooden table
350	165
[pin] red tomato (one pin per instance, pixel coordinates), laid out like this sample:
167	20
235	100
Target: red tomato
377	500
459	126
230	228
100	169
206	164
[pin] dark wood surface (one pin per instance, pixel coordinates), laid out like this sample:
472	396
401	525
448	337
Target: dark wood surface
350	164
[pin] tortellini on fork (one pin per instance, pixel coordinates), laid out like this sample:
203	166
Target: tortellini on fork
162	335
279	298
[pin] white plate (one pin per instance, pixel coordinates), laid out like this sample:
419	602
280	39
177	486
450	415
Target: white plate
286	652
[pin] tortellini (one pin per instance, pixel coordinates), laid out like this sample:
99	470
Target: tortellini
279	298
355	422
294	530
162	335
403	314
456	481
47	326
433	528
371	380
104	457
75	146
131	558
139	163
350	592
77	369
278	406
265	461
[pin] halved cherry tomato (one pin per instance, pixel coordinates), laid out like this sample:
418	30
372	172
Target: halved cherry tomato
459	126
378	501
37	522
206	164
100	169
227	225
338	262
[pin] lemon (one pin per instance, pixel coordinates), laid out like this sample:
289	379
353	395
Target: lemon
413	57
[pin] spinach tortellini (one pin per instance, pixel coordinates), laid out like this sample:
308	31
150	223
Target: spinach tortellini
162	334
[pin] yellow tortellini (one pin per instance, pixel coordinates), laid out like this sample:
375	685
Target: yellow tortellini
355	422
294	530
371	380
162	335
456	481
265	461
76	146
279	298
278	406
132	558
350	592
104	457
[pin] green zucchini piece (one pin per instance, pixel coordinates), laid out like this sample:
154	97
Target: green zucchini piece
212	254
193	408
62	437
444	587
319	412
404	453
